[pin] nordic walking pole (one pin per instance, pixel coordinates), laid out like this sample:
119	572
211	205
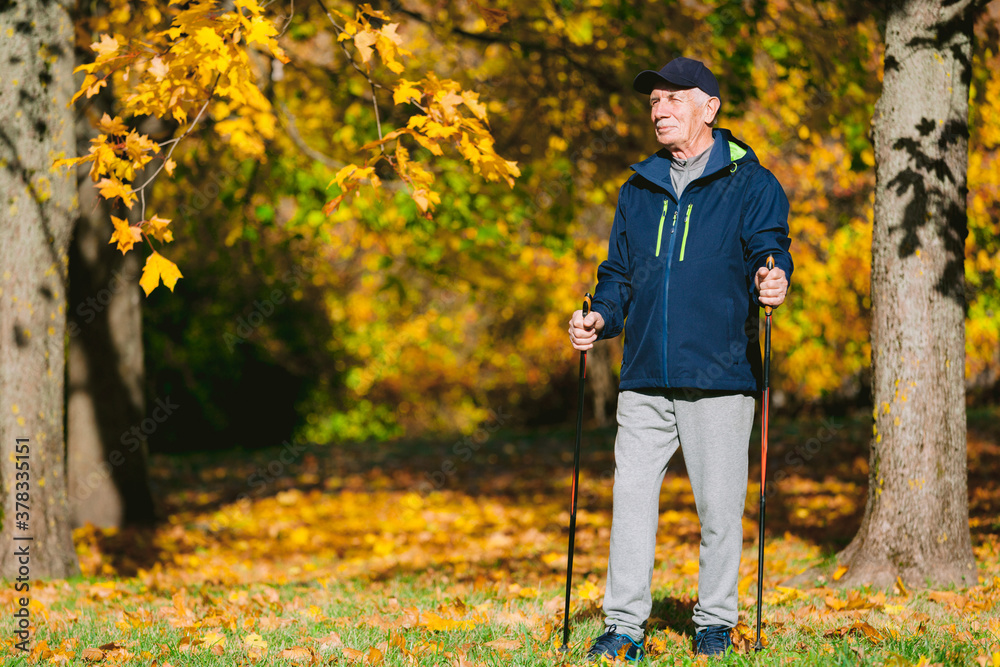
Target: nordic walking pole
763	456
576	479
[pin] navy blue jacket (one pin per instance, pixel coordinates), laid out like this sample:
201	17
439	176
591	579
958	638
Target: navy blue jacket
679	277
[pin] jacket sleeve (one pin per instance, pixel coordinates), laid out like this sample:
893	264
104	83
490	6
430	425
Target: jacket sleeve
765	227
614	284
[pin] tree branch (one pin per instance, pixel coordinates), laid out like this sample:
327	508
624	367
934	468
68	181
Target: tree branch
293	133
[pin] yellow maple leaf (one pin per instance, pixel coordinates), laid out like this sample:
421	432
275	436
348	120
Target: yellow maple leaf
106	46
261	31
429	144
435	130
588	591
834	603
351	172
364	41
433	622
296	654
71	162
169	166
209	39
158	228
92	85
109	125
158	68
405	90
125	234
111	188
213	638
448	102
279	53
389	32
158	267
426	199
472	101
136	144
388	47
249	5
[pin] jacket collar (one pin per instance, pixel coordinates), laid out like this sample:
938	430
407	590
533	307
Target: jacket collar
726	151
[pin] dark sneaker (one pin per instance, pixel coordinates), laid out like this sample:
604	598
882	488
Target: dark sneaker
713	640
613	645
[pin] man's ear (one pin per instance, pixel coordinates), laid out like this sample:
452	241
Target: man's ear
712	109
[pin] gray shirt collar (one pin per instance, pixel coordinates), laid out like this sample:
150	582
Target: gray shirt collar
682	172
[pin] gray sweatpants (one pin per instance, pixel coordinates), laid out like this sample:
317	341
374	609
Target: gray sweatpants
713	430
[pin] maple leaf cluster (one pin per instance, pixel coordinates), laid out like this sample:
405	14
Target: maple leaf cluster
448	115
174	74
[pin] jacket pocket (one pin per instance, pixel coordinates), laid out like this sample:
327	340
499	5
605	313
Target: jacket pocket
687	226
659	233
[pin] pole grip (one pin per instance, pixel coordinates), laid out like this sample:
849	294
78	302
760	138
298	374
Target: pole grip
769	264
588	301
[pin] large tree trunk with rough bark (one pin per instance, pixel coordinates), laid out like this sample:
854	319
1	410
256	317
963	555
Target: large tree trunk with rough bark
107	457
916	523
37	211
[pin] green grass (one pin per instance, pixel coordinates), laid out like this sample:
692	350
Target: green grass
348	541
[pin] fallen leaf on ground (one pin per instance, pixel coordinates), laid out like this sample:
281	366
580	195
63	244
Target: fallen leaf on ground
860	627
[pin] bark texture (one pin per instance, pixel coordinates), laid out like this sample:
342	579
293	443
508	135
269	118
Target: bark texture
916	522
107	452
601	382
36	219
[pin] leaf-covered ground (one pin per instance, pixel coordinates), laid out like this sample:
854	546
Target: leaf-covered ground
454	553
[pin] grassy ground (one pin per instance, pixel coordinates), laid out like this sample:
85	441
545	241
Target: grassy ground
454	553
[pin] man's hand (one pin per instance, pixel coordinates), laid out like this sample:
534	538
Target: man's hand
583	331
772	286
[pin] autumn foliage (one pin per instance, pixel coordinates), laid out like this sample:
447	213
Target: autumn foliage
446	269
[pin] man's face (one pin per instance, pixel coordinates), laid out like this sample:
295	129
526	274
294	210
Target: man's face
680	115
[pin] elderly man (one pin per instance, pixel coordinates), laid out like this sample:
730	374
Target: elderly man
685	278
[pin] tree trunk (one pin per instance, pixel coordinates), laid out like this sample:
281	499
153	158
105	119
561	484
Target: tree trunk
600	377
107	460
916	522
38	208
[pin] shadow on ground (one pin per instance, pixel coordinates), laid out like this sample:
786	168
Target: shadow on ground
818	467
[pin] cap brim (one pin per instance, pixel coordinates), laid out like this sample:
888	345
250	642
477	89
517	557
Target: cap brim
646	81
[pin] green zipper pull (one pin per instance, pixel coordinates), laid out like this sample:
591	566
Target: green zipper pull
659	234
687	225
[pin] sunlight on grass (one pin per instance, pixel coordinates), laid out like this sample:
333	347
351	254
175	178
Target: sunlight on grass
352	558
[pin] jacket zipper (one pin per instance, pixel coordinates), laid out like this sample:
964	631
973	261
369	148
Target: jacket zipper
687	223
659	234
666	293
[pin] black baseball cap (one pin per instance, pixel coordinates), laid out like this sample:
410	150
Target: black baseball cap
683	72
